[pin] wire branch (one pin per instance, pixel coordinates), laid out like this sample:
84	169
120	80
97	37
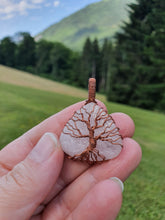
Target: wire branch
101	119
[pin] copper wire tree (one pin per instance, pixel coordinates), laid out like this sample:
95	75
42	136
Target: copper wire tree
92	124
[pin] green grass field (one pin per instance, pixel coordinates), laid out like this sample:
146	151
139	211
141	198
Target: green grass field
144	197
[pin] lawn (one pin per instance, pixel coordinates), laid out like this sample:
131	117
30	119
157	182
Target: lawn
21	78
144	197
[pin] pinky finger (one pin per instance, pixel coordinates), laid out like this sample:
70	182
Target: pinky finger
102	202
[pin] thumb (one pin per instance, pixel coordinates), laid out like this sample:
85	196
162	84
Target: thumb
24	188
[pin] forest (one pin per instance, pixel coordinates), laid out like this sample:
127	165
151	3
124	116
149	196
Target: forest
129	69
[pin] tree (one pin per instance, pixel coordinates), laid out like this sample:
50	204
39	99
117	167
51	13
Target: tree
85	67
43	58
25	56
61	62
90	63
96	63
75	66
139	69
7	52
92	131
106	60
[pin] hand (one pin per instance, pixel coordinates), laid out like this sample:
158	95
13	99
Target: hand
36	182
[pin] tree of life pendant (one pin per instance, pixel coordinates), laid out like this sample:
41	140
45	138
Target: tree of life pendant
91	134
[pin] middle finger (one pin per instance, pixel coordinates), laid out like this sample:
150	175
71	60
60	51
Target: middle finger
72	169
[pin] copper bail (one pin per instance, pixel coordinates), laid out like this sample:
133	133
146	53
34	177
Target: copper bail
91	90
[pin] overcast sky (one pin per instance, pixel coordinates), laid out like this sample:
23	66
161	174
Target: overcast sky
35	15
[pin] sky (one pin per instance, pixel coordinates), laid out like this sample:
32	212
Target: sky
33	16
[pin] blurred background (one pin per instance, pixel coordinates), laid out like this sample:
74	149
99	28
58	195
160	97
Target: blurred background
49	49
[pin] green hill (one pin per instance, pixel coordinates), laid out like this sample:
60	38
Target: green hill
101	20
24	103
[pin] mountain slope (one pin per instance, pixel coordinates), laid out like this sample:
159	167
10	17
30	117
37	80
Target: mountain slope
101	20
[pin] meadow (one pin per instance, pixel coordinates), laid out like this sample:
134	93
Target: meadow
26	100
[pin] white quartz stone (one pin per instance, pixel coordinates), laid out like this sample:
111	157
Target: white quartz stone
109	143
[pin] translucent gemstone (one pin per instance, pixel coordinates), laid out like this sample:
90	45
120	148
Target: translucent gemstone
91	124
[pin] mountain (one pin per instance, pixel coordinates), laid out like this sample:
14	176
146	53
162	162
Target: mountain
101	20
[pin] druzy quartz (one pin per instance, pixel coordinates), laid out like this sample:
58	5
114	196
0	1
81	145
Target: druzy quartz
91	134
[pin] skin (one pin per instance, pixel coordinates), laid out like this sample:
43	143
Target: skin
58	188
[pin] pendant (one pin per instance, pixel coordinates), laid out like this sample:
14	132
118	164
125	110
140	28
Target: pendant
91	134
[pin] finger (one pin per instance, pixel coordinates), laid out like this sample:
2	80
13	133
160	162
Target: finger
121	167
24	188
55	123
17	150
124	123
102	202
72	169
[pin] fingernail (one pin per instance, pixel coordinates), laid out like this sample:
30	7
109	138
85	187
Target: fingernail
120	183
44	148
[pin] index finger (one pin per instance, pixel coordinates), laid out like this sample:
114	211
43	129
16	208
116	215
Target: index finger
17	150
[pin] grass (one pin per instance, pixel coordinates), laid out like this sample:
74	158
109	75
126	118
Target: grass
144	197
34	106
20	78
